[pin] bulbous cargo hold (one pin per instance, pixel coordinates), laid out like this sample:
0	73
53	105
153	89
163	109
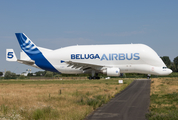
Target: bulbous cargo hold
128	58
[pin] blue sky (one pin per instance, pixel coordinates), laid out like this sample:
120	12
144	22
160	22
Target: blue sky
55	24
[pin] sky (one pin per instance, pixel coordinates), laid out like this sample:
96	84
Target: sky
55	24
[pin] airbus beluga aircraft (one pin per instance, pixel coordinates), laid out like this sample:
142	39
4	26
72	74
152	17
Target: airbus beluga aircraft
107	59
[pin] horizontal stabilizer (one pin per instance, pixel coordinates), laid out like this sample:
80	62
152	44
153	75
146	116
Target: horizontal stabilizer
27	62
10	55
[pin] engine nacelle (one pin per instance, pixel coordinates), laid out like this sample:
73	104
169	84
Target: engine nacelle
112	71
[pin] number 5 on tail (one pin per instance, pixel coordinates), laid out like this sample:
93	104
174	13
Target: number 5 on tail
10	55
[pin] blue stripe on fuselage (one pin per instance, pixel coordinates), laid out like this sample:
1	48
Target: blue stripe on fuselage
34	53
42	62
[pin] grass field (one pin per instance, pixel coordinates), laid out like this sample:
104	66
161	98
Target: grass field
55	99
163	99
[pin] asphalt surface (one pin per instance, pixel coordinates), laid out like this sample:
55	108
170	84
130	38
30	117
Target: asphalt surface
131	104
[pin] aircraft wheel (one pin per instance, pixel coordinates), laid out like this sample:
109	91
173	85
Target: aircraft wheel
90	78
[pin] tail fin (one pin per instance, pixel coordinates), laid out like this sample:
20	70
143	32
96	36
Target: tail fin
27	45
10	55
34	52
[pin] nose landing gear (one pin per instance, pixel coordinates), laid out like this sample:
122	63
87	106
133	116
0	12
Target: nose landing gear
148	76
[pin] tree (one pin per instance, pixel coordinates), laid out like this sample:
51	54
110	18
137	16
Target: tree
173	67
1	73
21	77
166	60
49	74
40	73
176	62
30	74
10	75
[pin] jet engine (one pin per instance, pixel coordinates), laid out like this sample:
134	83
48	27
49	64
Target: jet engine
112	71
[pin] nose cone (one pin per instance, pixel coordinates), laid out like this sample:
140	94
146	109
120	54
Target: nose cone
162	71
169	71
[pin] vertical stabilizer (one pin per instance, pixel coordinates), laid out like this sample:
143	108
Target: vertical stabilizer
34	52
27	45
24	56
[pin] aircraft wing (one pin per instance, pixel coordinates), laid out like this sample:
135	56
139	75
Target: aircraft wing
83	66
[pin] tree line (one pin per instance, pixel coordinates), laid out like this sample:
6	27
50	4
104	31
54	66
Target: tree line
172	65
11	75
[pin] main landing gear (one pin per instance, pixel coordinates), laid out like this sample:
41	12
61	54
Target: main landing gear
93	75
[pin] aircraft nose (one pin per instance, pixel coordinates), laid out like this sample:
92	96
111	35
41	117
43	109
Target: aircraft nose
170	71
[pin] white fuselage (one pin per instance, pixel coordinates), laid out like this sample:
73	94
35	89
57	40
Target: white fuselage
129	58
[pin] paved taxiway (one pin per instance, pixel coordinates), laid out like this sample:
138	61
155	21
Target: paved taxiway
131	104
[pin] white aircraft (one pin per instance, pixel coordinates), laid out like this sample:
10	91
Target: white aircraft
107	59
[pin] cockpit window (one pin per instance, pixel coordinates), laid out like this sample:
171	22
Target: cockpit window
164	67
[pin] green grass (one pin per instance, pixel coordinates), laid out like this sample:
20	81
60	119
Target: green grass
41	114
96	101
173	74
163	104
171	115
4	109
44	113
170	100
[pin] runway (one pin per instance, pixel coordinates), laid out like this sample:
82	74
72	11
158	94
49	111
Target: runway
131	104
